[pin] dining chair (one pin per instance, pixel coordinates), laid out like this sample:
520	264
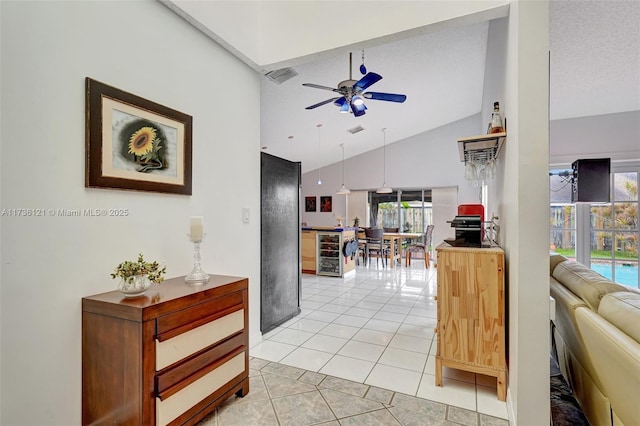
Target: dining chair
421	246
375	244
362	244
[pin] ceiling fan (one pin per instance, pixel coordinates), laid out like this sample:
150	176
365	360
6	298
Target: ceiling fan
353	92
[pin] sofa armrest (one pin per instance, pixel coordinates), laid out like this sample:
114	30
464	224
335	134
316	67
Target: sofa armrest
617	357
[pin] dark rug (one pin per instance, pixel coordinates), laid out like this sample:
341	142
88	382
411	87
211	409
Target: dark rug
565	410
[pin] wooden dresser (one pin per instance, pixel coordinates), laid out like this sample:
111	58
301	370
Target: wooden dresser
471	312
168	357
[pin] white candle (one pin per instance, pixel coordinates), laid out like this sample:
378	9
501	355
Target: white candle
196	228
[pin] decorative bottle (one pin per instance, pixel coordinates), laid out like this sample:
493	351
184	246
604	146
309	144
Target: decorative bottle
496	120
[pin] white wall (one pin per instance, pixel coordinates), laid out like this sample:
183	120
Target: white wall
427	160
50	263
524	211
615	136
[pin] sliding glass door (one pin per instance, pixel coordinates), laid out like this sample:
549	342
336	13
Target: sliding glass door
407	210
614	232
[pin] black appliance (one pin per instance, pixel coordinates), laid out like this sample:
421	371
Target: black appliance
591	180
468	231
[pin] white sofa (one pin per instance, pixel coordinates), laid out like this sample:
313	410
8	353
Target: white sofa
596	335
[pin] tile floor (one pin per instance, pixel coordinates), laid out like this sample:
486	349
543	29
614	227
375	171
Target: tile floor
375	328
290	396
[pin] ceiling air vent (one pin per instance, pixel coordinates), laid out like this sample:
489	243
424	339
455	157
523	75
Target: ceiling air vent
355	130
281	75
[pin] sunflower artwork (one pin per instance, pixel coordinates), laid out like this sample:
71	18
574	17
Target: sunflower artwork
144	143
135	144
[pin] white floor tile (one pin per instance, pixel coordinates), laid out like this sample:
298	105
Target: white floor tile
310	325
292	336
362	350
382	325
488	403
320	298
308	304
372	336
361	312
410	343
324	343
340	330
401	358
421	331
347	368
351	320
394	378
309	359
323	316
398	309
271	351
389	316
423	321
452	392
332	307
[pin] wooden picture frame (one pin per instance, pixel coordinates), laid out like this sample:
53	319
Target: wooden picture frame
135	144
325	204
310	204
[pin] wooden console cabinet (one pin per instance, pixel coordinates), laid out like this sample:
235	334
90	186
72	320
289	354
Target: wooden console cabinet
169	357
471	312
308	252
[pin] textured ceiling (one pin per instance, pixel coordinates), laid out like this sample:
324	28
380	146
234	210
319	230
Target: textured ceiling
594	70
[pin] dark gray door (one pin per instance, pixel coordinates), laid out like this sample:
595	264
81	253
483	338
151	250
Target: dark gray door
280	241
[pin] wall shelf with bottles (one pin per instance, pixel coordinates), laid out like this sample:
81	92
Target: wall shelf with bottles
481	148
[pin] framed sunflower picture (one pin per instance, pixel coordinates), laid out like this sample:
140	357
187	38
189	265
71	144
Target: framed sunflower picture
135	144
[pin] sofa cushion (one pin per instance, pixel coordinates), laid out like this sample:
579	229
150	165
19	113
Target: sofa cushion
622	309
554	259
589	285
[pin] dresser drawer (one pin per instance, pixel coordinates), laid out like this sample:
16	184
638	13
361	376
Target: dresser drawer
171	379
171	407
168	326
183	345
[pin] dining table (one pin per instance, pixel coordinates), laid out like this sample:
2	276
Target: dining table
395	239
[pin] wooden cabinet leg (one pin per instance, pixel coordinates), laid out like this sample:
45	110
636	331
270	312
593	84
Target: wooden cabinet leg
438	372
244	390
502	386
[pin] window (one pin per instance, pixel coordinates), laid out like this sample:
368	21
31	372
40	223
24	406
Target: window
563	214
408	210
614	232
602	235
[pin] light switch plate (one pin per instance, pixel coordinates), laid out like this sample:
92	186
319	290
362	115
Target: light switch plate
245	214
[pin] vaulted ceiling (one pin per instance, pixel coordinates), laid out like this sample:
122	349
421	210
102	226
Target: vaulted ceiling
595	69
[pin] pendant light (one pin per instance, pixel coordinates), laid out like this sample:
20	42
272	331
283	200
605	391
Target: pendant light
384	189
319	180
343	189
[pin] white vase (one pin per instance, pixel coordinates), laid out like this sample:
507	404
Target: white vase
134	288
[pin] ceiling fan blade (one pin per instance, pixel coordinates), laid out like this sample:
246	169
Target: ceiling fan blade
322	103
317	86
391	97
367	80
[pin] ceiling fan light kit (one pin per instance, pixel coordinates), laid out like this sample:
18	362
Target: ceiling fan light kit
353	92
